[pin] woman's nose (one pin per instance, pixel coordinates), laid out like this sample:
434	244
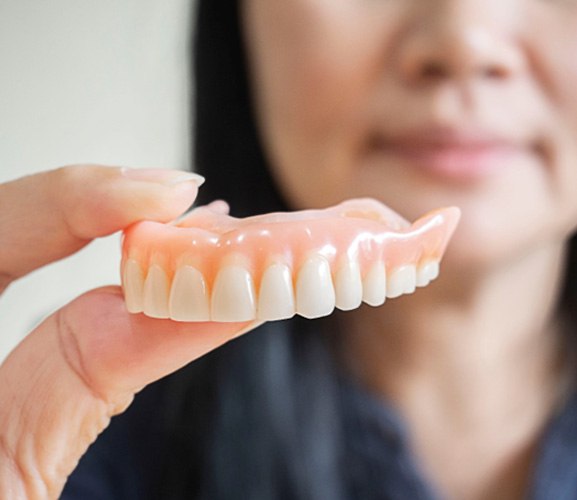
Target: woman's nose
460	40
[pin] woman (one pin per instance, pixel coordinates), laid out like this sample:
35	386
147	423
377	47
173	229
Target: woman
464	390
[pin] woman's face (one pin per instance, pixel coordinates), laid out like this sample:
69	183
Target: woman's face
425	103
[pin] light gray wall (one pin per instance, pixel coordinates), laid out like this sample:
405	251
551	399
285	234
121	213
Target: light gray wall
101	81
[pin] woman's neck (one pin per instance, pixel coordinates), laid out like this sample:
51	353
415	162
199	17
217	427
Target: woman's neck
470	360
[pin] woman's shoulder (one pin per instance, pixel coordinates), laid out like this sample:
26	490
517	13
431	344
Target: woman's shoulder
555	473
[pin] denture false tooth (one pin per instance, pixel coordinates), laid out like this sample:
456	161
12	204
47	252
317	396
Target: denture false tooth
427	272
133	284
315	294
233	295
375	285
276	295
189	299
356	229
156	293
433	270
402	280
348	286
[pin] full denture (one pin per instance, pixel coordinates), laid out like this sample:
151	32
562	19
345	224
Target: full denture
210	266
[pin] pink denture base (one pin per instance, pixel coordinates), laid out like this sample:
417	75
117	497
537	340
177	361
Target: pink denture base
362	230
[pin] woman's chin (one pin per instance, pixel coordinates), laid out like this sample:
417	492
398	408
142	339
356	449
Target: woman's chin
480	250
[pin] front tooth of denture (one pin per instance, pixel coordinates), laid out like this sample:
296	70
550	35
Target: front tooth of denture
233	295
315	294
188	296
276	295
402	280
348	286
375	285
156	293
133	284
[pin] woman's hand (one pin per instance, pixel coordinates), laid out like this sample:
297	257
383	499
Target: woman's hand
62	384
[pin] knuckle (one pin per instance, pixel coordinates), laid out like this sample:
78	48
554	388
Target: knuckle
72	174
74	192
19	474
69	346
9	456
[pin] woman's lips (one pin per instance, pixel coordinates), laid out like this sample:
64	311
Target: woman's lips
456	154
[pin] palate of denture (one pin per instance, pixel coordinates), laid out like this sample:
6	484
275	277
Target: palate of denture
209	266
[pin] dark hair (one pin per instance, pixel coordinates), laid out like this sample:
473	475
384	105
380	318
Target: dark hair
227	146
245	428
568	301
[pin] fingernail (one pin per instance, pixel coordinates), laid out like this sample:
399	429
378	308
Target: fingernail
162	176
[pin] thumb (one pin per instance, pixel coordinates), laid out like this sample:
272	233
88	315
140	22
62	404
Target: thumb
81	366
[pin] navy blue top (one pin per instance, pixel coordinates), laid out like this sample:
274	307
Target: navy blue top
125	463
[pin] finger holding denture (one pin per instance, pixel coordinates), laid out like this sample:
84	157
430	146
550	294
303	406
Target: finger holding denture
209	266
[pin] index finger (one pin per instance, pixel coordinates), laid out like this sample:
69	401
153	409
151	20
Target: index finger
47	216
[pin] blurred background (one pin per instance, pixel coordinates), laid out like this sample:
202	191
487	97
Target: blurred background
87	81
